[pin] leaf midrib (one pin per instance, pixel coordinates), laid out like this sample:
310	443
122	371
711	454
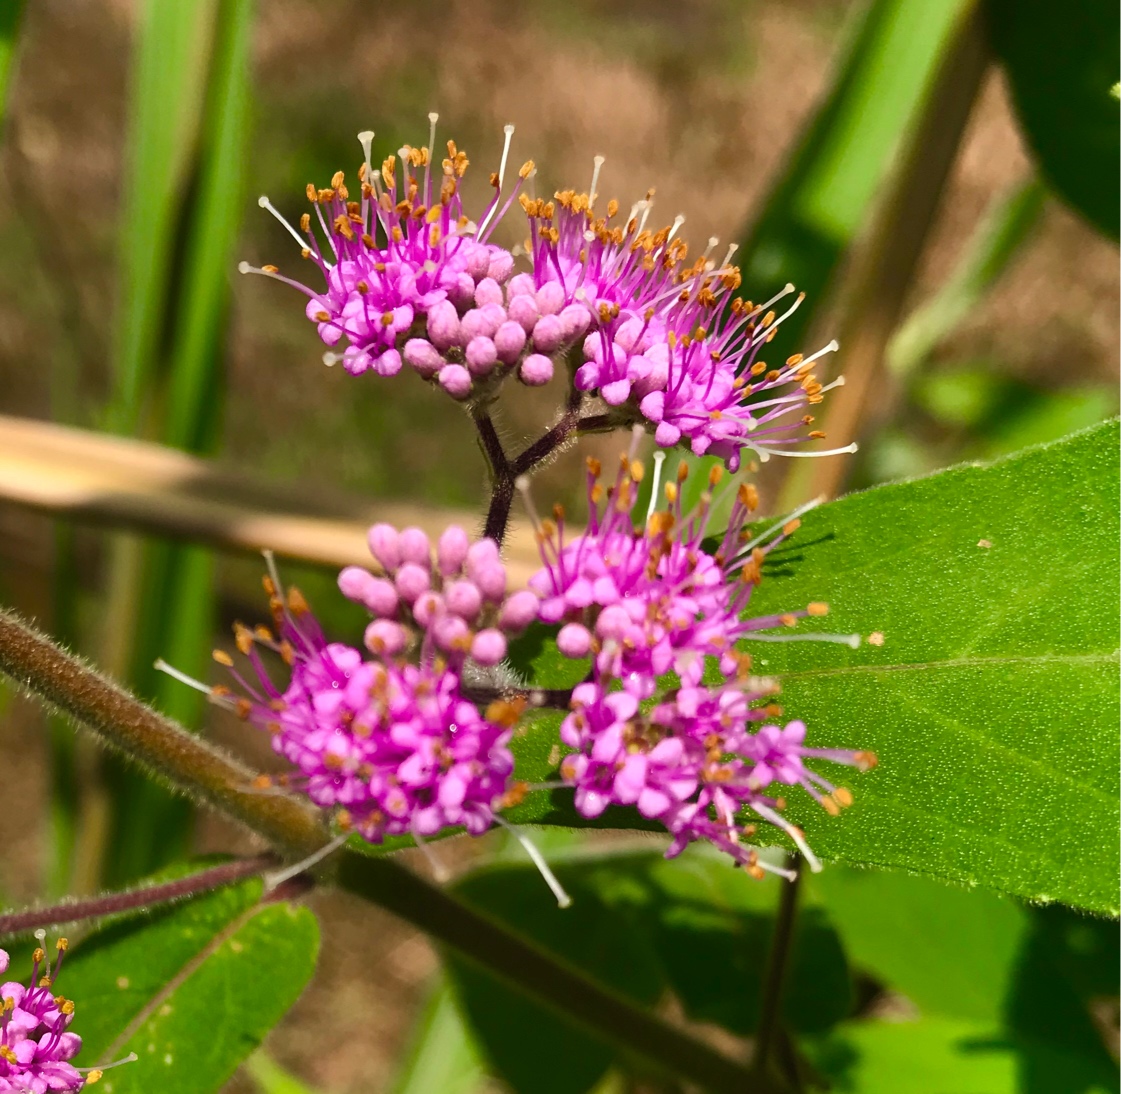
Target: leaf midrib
958	662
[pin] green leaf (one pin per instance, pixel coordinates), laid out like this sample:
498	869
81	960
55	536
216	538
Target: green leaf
1030	974
11	12
951	951
1067	965
831	178
192	989
694	927
1062	68
932	1056
270	1078
992	703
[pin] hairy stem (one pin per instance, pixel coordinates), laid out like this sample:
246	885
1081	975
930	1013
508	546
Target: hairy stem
194	767
74	911
504	471
774	980
176	757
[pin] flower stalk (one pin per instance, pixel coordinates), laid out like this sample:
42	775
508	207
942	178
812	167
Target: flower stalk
193	767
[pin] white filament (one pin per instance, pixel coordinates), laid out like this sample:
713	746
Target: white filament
563	899
281	876
160	665
597	163
777	527
659	459
264	203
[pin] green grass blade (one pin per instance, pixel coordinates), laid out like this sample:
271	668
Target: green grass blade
1007	224
174	615
11	12
831	179
167	96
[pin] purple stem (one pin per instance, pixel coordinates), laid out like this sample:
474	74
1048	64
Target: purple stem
73	911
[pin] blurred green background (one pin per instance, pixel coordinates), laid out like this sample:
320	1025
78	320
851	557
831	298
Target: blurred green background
834	139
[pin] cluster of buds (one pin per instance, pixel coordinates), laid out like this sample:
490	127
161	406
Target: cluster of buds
390	736
649	601
665	343
36	1045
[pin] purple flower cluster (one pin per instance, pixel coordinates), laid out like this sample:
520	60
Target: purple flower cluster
672	345
393	741
35	1044
646	602
410	278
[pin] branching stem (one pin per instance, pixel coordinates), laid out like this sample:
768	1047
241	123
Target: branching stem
196	768
774	980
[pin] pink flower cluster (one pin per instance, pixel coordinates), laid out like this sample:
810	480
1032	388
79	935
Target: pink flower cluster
35	1044
646	602
411	279
672	344
394	739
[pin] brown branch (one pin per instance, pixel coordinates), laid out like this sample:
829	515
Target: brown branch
196	768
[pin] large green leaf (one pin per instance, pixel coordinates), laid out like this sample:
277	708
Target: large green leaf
694	927
1062	65
1027	978
992	702
191	989
951	951
931	1056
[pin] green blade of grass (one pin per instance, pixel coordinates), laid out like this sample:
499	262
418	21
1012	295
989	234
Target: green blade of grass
11	12
167	95
174	613
824	193
1007	224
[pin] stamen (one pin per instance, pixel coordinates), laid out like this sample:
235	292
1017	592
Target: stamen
160	665
659	458
597	163
439	871
766	453
94	1073
563	899
264	203
794	833
521	484
281	876
508	130
850	640
677	222
728	257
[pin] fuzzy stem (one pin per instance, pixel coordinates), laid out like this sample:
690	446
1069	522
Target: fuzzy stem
505	471
194	767
74	911
185	762
774	979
